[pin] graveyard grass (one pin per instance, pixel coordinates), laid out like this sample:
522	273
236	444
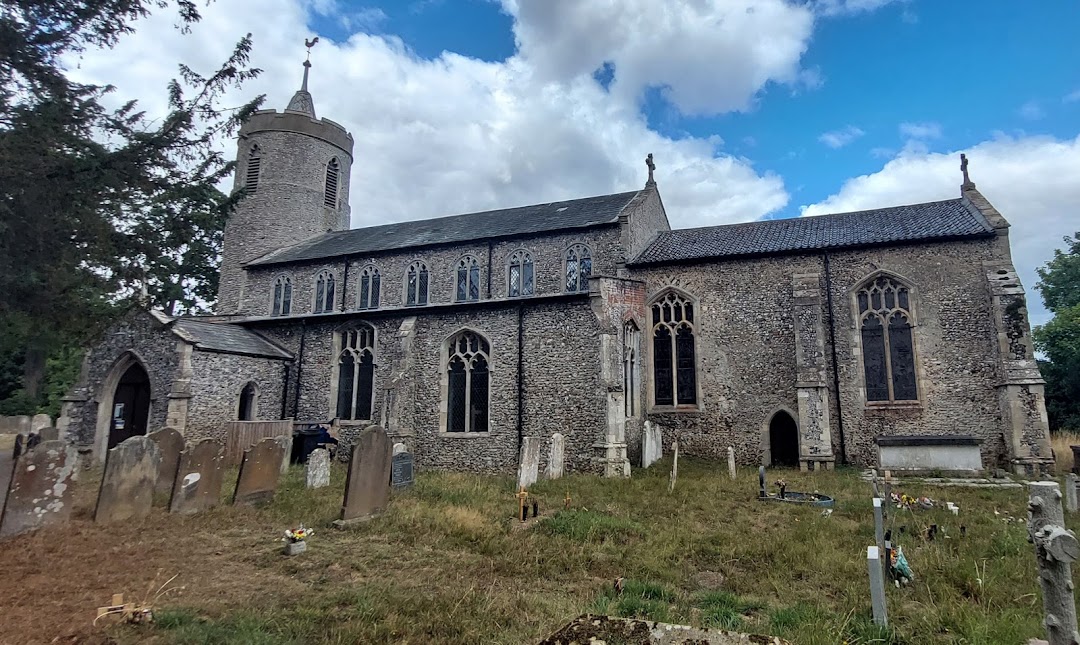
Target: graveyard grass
448	563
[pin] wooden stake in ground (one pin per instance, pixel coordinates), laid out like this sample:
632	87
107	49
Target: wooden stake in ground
522	496
1055	550
674	466
877	585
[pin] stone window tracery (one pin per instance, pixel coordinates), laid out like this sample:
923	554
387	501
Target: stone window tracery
674	364
324	292
251	173
884	308
370	285
468	280
467	382
282	303
416	284
356	373
330	191
631	342
520	274
578	268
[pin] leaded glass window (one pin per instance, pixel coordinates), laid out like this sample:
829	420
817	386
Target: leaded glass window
370	284
330	191
356	373
578	268
631	337
888	350
282	303
416	284
467	383
520	274
324	292
674	365
468	280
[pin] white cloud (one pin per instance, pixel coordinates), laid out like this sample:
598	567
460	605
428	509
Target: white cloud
842	137
848	7
1031	180
927	130
1071	97
1032	111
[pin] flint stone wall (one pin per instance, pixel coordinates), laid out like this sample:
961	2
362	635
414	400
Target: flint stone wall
218	379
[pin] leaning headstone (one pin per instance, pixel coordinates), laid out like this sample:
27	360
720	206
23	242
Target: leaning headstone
877	585
400	448
40	422
199	476
40	491
259	473
318	468
652	447
556	456
170	444
127	487
529	462
367	487
401	470
731	462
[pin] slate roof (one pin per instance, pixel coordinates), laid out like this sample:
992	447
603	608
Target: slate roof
226	337
950	219
523	220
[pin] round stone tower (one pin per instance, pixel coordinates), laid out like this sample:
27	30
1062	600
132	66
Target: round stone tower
295	170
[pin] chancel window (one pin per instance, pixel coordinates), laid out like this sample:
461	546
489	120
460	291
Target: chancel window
578	268
356	373
887	347
368	297
248	402
468	280
674	367
324	292
631	337
467	383
333	175
520	275
282	304
251	173
416	284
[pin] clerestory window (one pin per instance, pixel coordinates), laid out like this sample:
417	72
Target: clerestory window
416	284
578	268
324	292
468	280
370	284
520	274
282	297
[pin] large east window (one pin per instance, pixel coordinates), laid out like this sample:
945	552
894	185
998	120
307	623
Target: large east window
884	308
674	365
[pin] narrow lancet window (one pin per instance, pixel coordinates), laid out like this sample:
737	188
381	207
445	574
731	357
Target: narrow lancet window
416	285
282	298
324	292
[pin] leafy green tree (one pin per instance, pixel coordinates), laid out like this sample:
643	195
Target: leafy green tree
1059	339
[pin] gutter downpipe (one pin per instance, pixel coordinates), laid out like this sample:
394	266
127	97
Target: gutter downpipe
835	364
520	374
286	368
299	363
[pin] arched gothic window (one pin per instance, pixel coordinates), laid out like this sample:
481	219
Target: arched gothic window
333	174
251	173
356	373
520	274
282	305
416	284
324	292
467	383
249	402
370	284
887	347
674	371
631	337
468	280
578	268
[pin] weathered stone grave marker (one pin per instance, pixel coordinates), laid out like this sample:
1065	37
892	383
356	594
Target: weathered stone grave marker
529	462
285	441
127	487
367	486
40	490
170	444
1070	492
674	465
39	422
199	477
1056	548
318	468
400	448
556	456
401	470
652	447
731	471
877	585
259	473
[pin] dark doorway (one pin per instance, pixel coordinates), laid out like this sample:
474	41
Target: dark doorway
783	440
131	405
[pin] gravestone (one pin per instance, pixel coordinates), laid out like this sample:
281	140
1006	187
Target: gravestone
877	585
367	487
285	441
318	468
674	465
529	462
731	462
40	491
39	422
400	448
556	456
259	472
652	447
127	487
170	444
49	433
199	475
401	470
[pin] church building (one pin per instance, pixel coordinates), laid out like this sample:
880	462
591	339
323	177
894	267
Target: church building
808	342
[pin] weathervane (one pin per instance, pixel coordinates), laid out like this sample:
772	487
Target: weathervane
309	44
652	167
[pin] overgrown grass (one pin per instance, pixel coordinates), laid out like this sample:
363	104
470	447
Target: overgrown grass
447	563
1060	442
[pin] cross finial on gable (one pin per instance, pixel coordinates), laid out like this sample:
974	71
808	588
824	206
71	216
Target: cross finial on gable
652	167
964	169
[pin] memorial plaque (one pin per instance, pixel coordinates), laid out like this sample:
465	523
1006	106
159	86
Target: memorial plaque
401	470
